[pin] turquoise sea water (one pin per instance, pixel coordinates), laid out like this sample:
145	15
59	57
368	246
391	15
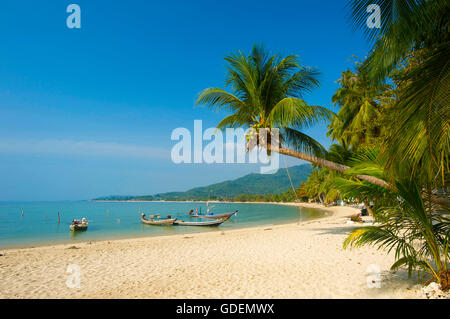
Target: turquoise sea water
112	220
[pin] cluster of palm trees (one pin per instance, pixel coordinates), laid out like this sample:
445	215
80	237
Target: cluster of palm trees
359	120
320	184
392	128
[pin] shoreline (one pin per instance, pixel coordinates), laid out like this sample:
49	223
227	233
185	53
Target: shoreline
294	260
125	237
215	202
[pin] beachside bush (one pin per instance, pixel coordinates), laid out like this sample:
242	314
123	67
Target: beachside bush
410	223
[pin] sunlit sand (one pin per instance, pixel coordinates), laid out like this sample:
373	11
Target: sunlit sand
299	260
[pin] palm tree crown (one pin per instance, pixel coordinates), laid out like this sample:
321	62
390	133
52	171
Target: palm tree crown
266	92
361	104
413	42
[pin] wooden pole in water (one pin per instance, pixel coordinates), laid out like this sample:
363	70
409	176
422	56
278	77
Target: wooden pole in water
22	212
59	219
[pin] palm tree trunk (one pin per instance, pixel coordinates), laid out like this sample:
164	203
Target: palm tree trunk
443	202
328	164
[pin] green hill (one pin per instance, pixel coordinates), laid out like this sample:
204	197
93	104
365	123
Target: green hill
257	184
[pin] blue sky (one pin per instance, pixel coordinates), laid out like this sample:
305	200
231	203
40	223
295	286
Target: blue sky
89	112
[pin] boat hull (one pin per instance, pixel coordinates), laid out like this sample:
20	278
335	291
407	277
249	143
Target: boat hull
161	222
206	223
213	216
78	227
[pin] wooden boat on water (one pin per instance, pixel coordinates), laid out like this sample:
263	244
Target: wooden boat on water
157	220
211	215
78	225
215	222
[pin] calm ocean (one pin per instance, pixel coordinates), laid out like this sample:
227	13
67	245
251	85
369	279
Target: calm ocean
112	220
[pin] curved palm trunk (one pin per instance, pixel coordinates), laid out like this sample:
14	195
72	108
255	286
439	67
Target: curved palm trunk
328	164
444	202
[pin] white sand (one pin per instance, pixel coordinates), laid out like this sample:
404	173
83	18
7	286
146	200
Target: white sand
287	261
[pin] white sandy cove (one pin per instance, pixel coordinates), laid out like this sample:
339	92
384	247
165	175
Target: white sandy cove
286	261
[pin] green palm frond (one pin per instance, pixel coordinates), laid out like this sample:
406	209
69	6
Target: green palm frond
234	121
359	189
382	238
422	115
301	142
409	224
361	104
217	99
340	153
266	92
295	112
403	26
413	47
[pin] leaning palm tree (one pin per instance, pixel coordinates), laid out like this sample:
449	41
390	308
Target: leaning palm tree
267	92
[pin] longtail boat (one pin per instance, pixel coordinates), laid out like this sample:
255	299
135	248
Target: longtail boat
79	225
211	215
156	220
215	222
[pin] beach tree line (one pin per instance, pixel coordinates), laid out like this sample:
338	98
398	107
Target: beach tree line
391	130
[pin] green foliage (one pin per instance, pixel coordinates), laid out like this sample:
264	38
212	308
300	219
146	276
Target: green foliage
267	92
400	134
319	185
413	46
409	224
420	118
406	25
287	196
361	103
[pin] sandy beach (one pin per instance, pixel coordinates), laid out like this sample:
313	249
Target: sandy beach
299	260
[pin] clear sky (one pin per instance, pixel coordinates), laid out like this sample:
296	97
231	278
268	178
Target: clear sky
89	112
